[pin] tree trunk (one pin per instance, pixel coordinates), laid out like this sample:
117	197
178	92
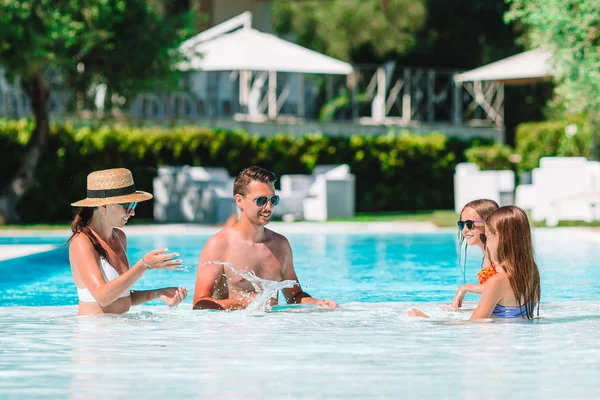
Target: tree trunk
21	181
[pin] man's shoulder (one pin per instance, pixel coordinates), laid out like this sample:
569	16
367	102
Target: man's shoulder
277	237
221	237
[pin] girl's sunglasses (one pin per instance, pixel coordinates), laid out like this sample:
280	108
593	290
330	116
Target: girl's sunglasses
470	223
129	207
262	200
483	238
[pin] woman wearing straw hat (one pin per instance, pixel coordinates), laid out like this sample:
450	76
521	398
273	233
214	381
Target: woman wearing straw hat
97	250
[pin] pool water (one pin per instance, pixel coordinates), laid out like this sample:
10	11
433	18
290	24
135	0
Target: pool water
368	348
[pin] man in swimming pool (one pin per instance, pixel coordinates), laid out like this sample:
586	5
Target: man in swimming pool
250	247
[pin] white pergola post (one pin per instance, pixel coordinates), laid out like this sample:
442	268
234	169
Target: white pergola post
457	106
378	106
272	110
301	106
245	77
406	97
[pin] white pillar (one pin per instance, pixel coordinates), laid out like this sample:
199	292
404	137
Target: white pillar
272	111
378	105
301	106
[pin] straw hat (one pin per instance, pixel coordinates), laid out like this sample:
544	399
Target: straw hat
111	186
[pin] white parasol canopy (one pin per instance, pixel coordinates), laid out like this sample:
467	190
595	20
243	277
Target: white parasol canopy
530	66
252	50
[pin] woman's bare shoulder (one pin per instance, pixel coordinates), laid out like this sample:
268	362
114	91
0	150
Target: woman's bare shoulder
81	245
80	241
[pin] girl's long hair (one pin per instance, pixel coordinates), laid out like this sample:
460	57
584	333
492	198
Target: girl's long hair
483	207
81	224
515	254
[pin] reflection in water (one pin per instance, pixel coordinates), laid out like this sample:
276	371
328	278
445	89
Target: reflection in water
94	359
362	350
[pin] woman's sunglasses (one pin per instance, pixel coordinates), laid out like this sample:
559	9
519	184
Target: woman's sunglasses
470	223
129	207
262	200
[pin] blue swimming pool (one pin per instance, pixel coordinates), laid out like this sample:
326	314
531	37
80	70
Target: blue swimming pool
368	348
365	268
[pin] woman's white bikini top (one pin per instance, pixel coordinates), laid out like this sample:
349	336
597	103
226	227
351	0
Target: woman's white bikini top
109	273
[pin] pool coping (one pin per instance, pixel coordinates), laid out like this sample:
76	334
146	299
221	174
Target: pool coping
280	227
11	251
284	228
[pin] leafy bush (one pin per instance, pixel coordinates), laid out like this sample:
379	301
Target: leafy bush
535	140
490	157
393	171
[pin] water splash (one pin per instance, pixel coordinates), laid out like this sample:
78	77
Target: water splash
265	289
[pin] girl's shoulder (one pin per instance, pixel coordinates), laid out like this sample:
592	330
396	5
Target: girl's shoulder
498	280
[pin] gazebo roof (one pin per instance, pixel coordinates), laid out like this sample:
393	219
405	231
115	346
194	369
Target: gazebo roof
530	66
249	49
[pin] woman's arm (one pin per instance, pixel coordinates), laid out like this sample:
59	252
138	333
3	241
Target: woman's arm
171	295
84	256
142	296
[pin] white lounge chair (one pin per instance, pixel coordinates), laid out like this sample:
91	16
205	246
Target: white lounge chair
193	194
470	183
329	192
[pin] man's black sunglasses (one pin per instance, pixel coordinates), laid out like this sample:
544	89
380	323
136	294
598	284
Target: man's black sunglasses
470	223
262	200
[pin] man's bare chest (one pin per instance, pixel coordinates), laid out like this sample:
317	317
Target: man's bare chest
262	262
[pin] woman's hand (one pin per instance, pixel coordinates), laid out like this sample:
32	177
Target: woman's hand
159	259
172	296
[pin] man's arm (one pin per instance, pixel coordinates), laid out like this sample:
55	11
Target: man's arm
296	295
210	272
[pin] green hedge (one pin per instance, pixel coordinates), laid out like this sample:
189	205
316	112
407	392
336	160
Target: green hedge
393	171
490	157
535	140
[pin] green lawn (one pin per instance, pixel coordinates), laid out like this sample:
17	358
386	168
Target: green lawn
41	227
441	218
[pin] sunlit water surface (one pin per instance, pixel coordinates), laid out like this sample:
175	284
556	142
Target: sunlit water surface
368	348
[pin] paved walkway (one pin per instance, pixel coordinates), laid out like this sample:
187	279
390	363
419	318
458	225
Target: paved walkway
281	227
8	251
15	250
291	227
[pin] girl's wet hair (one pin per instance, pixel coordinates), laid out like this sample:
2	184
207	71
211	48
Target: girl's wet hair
483	207
515	253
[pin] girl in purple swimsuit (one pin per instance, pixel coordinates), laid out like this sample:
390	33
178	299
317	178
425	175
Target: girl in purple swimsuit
514	292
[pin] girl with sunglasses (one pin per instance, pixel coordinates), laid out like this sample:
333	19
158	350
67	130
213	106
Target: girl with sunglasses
471	227
101	270
514	291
